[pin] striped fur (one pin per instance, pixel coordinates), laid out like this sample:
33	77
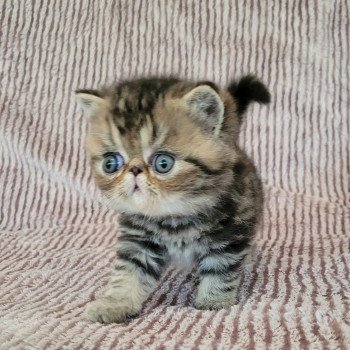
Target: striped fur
202	213
57	241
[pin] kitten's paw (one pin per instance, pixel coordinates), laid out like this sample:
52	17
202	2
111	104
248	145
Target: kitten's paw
108	310
214	304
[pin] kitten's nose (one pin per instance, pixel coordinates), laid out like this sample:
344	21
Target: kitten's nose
136	170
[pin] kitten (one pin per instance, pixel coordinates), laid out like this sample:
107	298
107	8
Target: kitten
164	152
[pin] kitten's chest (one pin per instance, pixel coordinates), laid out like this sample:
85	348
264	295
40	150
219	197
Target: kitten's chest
184	251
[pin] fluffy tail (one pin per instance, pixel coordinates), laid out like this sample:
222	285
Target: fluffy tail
247	90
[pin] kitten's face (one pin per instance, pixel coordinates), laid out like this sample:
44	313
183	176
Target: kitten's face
157	154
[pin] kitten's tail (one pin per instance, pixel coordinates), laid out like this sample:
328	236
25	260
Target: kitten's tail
248	89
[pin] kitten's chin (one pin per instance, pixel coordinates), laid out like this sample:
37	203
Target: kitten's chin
176	205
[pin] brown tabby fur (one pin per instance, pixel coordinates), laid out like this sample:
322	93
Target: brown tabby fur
202	213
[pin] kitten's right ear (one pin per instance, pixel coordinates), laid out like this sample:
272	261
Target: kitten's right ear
207	107
90	101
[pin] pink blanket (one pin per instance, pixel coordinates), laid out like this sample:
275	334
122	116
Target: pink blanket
56	237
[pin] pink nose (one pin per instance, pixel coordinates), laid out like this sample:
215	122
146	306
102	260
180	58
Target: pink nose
136	170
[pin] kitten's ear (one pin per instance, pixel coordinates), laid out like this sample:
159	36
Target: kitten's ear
207	107
90	101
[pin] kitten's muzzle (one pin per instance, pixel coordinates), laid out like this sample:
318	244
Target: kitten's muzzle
136	170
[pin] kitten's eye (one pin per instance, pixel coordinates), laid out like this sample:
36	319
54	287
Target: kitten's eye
112	163
162	163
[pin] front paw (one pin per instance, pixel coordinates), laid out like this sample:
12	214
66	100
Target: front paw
109	310
213	303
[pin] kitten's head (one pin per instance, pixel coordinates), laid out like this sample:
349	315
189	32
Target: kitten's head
161	146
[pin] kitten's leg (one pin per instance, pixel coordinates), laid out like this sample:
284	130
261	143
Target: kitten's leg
219	275
136	272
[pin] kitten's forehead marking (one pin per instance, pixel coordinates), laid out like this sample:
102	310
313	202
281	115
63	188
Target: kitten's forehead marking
162	132
146	133
151	140
121	104
117	140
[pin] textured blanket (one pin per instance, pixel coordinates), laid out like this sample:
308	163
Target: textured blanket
56	236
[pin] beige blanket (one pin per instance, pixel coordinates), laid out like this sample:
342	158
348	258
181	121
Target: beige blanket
57	238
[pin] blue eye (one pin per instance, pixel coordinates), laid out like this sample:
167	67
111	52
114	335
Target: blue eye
112	163
162	163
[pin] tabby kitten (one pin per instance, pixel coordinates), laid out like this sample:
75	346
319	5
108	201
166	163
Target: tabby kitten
164	152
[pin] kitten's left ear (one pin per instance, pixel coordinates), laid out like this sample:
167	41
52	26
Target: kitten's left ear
207	107
90	101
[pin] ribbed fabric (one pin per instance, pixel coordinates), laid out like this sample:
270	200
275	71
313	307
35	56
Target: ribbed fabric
57	238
